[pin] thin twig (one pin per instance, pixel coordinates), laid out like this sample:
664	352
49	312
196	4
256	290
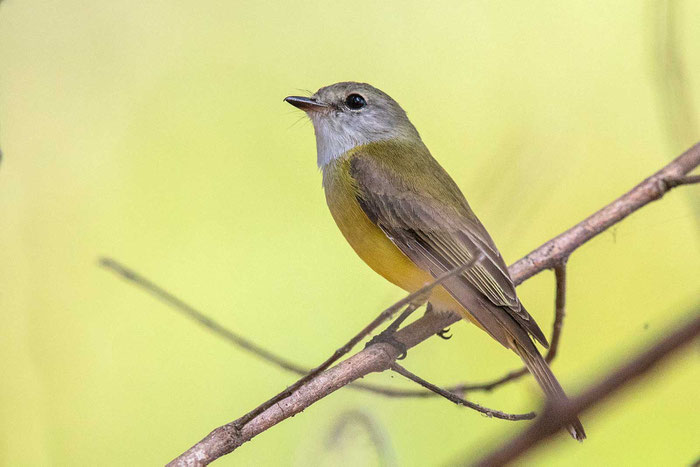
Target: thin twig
458	400
555	417
170	299
225	439
559	310
687	180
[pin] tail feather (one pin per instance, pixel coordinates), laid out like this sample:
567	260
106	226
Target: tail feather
549	384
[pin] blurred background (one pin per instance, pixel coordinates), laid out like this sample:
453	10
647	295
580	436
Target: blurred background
155	133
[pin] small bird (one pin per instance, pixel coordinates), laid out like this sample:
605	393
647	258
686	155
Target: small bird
408	220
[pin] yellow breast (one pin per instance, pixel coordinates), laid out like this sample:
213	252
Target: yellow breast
368	240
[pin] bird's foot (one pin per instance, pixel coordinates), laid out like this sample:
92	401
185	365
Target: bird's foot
443	334
389	338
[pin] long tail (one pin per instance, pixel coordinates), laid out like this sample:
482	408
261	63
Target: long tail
549	384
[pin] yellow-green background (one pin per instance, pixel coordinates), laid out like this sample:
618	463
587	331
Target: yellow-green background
154	132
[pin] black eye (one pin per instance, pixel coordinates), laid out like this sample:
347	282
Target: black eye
355	101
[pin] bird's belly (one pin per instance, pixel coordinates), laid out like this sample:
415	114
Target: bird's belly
378	251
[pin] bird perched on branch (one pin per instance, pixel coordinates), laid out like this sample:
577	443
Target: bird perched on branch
408	220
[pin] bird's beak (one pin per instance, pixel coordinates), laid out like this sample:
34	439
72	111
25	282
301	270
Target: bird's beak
306	104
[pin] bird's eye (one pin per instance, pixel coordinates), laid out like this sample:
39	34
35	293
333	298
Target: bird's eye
355	101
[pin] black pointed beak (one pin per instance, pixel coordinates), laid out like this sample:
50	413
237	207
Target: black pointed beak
305	103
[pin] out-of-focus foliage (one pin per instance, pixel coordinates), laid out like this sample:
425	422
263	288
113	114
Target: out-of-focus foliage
155	132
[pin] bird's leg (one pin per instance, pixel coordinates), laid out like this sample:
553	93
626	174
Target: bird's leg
387	335
442	334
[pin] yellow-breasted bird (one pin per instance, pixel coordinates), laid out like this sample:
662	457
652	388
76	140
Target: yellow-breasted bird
409	221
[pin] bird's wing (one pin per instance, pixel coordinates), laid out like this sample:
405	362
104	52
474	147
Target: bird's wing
440	233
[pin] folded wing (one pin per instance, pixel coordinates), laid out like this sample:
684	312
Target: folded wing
439	233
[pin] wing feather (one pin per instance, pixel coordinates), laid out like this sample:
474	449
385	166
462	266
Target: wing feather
439	236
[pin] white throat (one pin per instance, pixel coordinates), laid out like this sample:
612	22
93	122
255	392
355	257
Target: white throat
332	143
339	132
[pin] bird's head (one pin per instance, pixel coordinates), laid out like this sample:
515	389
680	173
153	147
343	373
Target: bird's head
349	114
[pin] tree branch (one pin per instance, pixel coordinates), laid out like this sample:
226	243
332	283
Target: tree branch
555	417
379	357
